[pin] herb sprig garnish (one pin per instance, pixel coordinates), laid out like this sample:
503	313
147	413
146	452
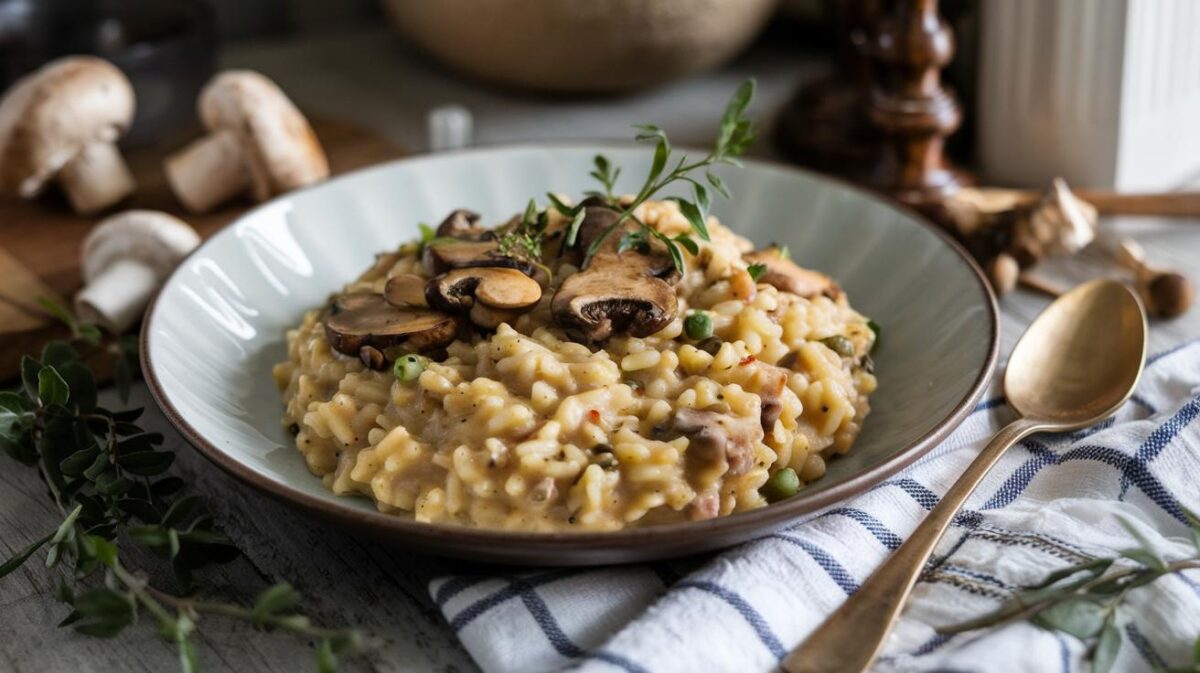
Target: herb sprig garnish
523	239
105	474
1085	600
733	138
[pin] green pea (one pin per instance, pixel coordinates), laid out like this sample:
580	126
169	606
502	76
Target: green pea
781	486
840	345
698	326
409	367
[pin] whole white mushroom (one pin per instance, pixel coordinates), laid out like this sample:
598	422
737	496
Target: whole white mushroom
126	258
257	140
61	123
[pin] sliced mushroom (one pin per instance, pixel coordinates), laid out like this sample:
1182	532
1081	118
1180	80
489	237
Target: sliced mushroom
619	292
785	275
491	295
770	381
715	438
406	290
464	224
443	257
366	326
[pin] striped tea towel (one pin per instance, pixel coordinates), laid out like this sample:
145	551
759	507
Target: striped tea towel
1054	500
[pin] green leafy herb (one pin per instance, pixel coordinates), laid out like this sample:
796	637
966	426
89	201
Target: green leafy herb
874	326
756	271
523	239
1086	600
107	476
734	135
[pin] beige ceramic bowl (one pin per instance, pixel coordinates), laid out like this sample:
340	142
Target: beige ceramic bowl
581	45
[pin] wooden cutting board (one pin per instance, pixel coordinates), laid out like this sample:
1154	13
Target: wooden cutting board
40	239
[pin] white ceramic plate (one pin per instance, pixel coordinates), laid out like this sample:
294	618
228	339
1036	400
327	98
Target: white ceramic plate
217	327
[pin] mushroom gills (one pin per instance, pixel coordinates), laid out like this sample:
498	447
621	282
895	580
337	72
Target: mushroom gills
619	292
363	320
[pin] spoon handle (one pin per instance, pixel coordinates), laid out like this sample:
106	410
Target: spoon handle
853	635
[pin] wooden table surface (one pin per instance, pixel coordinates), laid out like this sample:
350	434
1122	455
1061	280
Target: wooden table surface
367	78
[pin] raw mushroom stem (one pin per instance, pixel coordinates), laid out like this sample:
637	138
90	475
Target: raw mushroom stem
209	171
115	298
96	178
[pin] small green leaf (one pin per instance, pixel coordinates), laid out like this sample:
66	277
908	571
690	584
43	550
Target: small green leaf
104	612
103	550
688	243
717	184
573	227
112	483
1194	524
1145	557
756	271
1107	648
874	327
278	598
1093	569
427	232
30	369
530	212
52	389
22	556
783	252
1196	653
89	333
65	528
53	308
75	464
327	661
695	218
1078	617
149	536
662	150
58	353
182	511
146	463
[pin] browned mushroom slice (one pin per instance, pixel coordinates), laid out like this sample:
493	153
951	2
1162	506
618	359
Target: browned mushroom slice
463	224
715	438
619	292
365	325
405	290
491	294
443	257
785	275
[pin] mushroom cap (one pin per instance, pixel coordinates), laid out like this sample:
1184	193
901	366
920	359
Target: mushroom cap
617	293
153	238
49	115
364	320
282	150
497	287
406	290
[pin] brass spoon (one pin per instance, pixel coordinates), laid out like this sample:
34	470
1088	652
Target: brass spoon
1075	365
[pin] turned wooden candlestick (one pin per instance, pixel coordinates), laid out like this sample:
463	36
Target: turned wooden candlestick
910	106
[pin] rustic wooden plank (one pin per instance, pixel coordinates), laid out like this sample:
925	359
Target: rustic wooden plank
343	579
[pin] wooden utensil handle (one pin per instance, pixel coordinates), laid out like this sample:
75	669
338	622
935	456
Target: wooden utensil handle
853	635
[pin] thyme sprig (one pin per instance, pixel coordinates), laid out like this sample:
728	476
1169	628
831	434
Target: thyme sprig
107	476
734	136
1086	600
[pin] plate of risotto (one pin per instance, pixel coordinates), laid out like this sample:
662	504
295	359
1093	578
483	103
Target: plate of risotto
617	369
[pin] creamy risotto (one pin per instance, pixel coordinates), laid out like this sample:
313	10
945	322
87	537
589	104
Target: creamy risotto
457	382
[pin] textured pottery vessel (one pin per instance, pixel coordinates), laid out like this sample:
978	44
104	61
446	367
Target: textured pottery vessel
581	45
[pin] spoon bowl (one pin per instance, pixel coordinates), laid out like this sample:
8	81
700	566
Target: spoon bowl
1081	359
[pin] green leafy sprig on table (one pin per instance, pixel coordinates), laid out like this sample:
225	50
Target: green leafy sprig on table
1086	600
106	475
524	239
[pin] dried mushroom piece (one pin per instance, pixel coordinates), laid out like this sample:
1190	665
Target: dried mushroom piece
786	275
366	326
490	295
715	438
619	292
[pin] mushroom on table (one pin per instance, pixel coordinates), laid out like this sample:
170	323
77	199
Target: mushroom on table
258	141
61	123
125	259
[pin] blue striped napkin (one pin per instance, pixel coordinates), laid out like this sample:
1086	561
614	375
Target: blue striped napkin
1052	501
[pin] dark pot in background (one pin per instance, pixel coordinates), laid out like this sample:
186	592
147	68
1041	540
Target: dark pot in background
167	48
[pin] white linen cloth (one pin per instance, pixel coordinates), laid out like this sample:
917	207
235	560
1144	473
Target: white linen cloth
1052	501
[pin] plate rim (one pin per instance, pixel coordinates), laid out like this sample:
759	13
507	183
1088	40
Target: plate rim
473	543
